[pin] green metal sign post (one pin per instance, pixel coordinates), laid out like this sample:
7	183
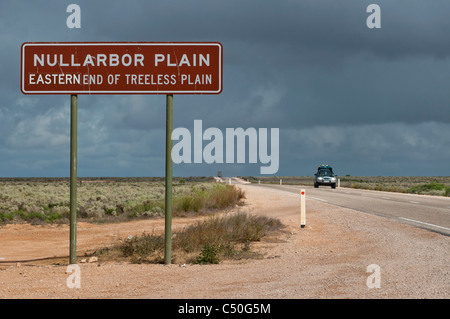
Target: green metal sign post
168	197
73	178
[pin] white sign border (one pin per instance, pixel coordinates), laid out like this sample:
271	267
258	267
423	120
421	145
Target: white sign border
90	92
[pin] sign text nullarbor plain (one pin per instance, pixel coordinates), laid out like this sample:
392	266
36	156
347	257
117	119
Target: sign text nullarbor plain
116	60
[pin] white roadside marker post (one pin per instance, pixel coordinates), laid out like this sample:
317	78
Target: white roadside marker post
302	209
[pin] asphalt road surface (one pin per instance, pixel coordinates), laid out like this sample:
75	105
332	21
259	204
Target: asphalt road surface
428	212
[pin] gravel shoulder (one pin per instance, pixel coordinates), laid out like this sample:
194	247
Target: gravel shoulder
329	258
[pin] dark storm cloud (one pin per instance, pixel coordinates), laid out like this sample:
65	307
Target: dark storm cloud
310	68
377	149
313	56
408	27
319	54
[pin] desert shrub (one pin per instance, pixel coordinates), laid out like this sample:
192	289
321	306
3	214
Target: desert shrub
147	208
53	217
216	196
430	188
139	248
208	241
208	255
223	233
6	217
33	217
193	203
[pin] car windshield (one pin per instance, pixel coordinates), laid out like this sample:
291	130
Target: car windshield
325	172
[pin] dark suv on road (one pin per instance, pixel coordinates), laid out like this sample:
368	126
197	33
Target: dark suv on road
325	176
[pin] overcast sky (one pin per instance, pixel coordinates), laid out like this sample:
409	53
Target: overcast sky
366	101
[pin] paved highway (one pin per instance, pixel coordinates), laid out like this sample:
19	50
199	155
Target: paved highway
429	212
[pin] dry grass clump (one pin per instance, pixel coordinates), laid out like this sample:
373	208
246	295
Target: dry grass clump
217	238
208	197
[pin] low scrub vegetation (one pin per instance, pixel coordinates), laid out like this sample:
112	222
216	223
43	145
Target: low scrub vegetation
40	201
430	188
426	185
208	242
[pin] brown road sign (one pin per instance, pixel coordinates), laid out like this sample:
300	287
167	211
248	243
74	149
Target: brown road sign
121	68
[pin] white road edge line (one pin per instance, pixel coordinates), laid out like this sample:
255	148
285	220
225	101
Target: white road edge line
419	222
297	195
320	199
